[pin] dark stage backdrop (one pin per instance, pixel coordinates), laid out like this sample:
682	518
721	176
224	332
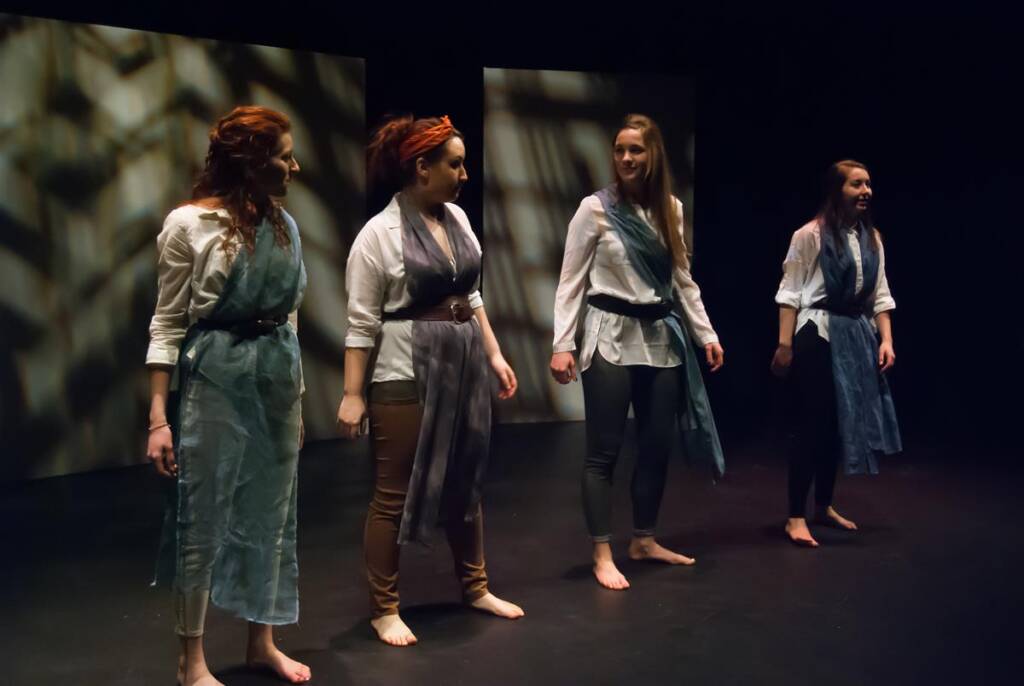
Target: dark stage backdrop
548	145
928	100
102	131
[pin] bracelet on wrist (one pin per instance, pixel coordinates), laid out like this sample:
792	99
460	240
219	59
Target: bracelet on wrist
158	426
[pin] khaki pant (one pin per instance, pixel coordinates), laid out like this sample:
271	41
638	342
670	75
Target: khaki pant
395	416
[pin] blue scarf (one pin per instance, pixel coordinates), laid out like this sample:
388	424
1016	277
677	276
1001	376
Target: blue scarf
867	416
652	261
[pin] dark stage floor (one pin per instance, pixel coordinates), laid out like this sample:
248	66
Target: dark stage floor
925	593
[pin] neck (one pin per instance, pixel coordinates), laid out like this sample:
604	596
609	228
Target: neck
850	219
422	203
634	193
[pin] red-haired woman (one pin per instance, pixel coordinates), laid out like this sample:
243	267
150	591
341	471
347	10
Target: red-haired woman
625	253
833	282
231	279
412	281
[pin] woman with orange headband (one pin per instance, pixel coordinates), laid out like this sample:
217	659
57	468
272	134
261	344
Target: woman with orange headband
412	280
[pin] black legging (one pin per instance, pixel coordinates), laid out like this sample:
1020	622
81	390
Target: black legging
608	390
815	453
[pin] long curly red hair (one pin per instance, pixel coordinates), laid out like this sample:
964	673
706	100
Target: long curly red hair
242	142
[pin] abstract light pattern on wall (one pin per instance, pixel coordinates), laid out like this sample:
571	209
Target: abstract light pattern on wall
102	131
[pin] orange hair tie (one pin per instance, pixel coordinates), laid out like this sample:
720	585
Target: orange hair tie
426	140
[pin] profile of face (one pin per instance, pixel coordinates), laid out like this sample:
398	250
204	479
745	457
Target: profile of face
442	180
856	191
631	157
274	176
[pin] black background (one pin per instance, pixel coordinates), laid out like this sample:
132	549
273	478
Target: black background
926	97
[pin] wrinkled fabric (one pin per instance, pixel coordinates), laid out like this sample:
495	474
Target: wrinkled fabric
230	526
452	378
652	261
867	415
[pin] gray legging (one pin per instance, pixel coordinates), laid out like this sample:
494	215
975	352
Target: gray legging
608	390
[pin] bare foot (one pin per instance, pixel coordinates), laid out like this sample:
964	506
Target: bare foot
609	576
832	518
648	549
799	534
201	677
496	606
273	659
393	631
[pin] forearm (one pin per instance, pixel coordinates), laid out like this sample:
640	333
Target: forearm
159	385
884	322
491	346
356	360
787	325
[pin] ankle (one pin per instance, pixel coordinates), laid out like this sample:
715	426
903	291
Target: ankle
602	553
261	647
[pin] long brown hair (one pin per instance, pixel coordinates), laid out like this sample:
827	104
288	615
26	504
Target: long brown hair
383	158
831	216
657	184
241	142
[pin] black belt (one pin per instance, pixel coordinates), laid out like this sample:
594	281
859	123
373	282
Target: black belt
250	328
610	303
850	311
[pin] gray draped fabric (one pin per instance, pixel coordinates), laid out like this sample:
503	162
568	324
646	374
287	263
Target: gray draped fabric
453	379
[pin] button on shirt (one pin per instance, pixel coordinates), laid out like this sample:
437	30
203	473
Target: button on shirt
596	262
803	283
376	283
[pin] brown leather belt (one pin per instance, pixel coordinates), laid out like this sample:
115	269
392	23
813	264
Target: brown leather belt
454	308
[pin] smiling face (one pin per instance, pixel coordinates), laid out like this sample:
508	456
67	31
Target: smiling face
442	179
856	192
631	158
274	176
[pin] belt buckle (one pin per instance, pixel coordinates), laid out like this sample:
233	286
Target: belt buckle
455	314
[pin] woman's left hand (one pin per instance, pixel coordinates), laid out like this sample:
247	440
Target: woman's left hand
715	355
506	377
886	356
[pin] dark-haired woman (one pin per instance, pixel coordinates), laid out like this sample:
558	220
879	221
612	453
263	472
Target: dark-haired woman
231	279
412	281
625	257
833	282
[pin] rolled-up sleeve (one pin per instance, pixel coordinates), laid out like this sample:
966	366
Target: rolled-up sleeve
883	298
795	270
476	301
174	285
293	320
365	282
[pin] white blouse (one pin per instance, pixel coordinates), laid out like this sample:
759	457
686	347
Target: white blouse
191	272
595	262
803	282
376	283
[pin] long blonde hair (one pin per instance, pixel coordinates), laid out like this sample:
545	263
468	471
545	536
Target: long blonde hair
657	184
